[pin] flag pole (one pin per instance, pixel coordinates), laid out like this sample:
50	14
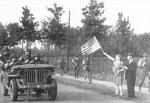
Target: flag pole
91	67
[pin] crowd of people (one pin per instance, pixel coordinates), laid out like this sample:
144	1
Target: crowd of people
123	71
126	72
78	64
10	58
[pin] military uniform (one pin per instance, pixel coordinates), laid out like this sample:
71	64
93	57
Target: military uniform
86	67
13	61
62	65
26	58
5	56
76	63
36	60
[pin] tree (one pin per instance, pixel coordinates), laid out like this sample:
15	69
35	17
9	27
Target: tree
29	27
124	35
93	22
141	44
53	29
75	40
14	31
3	36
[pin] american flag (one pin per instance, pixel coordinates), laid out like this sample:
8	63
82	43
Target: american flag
91	46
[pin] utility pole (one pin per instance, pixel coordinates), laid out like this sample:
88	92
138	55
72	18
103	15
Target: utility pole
68	42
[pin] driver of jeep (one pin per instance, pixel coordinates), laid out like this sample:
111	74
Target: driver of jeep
26	58
36	59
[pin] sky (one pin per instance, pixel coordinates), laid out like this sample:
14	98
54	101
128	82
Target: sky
136	10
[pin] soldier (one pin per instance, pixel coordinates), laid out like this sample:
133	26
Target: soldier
86	67
76	64
26	58
13	61
36	59
1	62
5	54
62	65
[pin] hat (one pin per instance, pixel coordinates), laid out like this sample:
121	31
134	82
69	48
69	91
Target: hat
13	55
5	49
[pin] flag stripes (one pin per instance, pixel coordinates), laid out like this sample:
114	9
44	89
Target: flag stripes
91	46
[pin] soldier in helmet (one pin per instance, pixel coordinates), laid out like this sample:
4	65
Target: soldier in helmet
13	61
5	55
76	64
36	59
1	62
86	67
62	64
26	58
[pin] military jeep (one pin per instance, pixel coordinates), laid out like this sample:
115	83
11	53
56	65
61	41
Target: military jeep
28	79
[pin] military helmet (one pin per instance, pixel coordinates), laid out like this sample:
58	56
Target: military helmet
13	55
27	52
5	49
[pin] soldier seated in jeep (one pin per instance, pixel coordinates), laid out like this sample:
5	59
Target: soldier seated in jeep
13	61
26	58
36	59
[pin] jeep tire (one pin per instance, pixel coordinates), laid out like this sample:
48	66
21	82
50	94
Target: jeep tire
52	93
13	90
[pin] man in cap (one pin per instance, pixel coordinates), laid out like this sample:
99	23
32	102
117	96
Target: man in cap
131	75
144	66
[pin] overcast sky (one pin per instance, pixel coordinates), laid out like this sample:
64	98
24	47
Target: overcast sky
136	10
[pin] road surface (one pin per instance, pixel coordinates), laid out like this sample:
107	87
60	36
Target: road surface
71	94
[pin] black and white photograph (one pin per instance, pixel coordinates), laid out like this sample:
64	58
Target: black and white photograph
74	51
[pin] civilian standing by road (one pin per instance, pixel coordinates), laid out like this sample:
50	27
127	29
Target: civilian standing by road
143	70
131	75
118	70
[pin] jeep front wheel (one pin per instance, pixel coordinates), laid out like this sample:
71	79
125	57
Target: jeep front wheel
52	93
13	90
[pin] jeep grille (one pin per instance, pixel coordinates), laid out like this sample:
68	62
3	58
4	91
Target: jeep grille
35	76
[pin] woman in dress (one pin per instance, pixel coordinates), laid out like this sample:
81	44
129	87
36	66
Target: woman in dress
118	70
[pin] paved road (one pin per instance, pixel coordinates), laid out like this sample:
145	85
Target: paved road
69	94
